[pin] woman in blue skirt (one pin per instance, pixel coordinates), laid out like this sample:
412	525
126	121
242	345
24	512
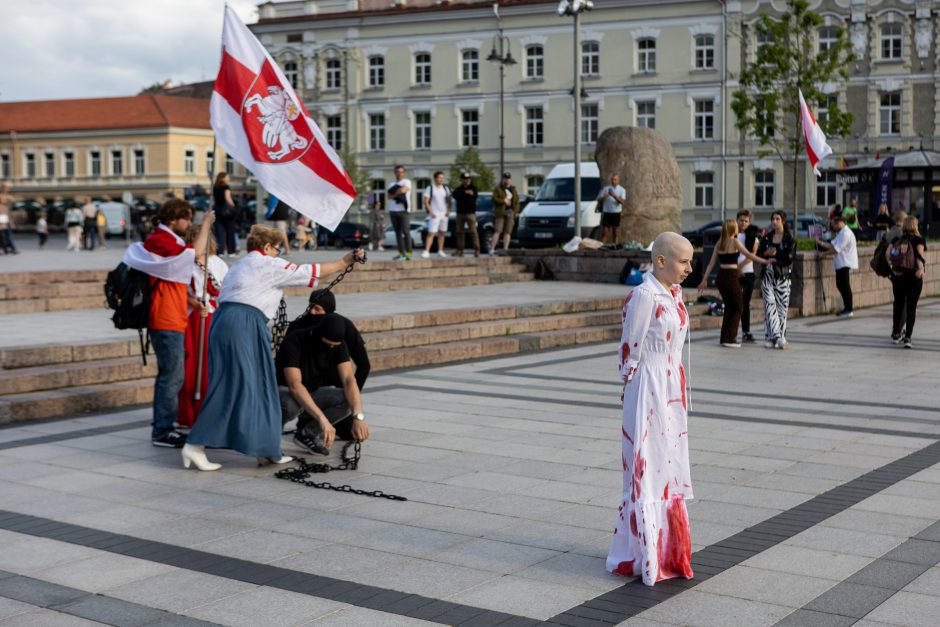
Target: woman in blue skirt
242	410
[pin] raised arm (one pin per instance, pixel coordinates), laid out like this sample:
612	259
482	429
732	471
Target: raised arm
744	251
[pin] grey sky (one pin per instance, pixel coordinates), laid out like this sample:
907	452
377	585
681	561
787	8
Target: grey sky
58	49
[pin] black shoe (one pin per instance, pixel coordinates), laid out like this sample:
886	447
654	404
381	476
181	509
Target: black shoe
747	337
311	441
907	343
173	439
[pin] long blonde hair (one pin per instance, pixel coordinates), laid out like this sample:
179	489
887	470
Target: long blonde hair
911	226
729	231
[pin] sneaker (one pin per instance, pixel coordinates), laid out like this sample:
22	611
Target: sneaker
408	256
896	338
731	344
173	439
907	343
399	258
312	442
425	255
770	344
781	343
844	314
441	253
748	338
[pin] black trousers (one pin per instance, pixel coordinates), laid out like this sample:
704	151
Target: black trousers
730	291
845	287
330	400
747	289
907	288
401	223
225	235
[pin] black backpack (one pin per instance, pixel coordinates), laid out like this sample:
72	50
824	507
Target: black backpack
128	294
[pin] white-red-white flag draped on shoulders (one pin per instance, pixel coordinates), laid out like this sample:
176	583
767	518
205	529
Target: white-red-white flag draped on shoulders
259	120
817	147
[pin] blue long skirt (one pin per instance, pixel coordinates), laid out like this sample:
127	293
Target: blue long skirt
241	410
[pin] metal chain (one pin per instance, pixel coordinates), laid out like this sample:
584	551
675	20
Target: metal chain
301	474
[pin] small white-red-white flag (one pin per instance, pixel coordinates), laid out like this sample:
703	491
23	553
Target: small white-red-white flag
259	120
816	147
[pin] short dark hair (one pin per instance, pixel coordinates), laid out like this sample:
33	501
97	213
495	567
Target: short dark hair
744	213
399	166
173	209
438	172
838	218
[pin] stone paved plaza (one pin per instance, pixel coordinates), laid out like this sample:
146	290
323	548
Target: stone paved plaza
815	472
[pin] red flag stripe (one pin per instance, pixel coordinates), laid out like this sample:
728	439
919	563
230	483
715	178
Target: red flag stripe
317	160
233	81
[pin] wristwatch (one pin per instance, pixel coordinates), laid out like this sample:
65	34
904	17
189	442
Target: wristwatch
359	416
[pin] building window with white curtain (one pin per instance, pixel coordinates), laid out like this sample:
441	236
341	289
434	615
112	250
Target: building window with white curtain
422	68
470	66
704	52
589	123
534	62
591	58
470	128
534	126
377	131
890	113
764	188
376	71
646	56
422	130
704	190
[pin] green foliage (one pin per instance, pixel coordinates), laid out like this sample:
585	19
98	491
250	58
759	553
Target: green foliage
358	176
469	161
157	87
767	105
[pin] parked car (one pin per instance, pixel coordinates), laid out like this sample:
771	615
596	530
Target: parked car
696	236
417	229
346	235
118	217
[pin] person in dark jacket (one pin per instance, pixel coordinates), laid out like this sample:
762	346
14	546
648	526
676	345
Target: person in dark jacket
505	210
465	195
323	303
777	244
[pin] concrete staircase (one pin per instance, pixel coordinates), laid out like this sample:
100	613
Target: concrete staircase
30	292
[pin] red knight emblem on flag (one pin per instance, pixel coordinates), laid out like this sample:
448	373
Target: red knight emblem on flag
274	123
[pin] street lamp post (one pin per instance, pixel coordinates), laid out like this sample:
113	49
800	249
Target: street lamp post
503	55
575	8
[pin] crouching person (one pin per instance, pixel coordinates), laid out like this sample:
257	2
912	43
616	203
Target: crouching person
318	387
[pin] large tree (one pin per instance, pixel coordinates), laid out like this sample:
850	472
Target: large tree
789	58
470	161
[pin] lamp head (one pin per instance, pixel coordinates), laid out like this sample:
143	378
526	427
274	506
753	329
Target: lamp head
564	8
494	56
509	60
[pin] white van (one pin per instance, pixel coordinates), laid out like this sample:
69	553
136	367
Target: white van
549	219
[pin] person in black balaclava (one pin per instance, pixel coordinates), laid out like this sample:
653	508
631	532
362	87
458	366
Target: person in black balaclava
323	302
318	388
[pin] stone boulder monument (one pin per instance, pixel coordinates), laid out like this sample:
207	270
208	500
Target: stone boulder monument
649	173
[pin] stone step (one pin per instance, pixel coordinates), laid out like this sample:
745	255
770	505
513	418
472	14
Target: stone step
75	400
76	374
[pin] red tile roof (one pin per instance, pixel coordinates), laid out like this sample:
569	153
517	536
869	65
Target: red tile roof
87	114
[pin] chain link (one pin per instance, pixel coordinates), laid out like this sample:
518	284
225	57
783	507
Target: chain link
301	474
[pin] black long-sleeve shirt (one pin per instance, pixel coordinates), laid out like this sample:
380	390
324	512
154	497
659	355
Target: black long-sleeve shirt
353	340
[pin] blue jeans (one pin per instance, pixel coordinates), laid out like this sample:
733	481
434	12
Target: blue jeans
168	347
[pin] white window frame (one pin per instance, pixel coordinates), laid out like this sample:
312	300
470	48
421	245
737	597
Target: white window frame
210	162
48	164
704	186
822	112
470	65
377	138
702	130
335	131
590	124
422	69
68	163
534	125
646	55
29	165
590	58
469	128
116	161
376	71
422	130
892	41
6	166
94	162
140	161
827	189
532	183
642	117
827	36
704	45
764	188
535	62
378	189
291	73
334	74
229	165
189	160
889	115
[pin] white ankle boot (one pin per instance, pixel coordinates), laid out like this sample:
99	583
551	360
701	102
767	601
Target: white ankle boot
285	459
196	454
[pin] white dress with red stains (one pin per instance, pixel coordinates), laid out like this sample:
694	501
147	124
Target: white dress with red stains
652	536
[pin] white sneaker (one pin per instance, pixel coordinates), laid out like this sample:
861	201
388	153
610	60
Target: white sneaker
770	344
441	253
381	248
731	345
781	343
425	255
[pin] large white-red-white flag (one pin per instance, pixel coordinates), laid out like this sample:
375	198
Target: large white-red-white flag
817	148
259	120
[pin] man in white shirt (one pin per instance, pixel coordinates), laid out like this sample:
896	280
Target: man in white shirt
845	260
398	212
437	203
611	198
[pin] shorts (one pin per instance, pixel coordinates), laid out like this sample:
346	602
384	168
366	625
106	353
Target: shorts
610	219
504	225
437	223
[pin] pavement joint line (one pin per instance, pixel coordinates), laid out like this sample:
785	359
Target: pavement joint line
632	598
18	588
835	599
69	435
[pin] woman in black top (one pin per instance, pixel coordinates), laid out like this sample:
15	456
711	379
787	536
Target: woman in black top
777	244
882	223
726	255
907	285
225	215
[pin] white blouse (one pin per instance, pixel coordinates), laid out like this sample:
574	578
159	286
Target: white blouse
257	280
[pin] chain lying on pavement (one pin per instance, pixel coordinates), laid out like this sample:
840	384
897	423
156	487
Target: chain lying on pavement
301	474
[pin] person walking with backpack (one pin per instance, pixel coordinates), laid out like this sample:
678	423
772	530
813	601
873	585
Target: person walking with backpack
778	244
242	408
226	214
907	256
436	199
165	257
845	260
